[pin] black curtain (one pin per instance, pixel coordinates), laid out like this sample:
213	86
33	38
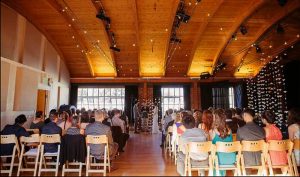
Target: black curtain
157	98
220	97
73	94
131	94
206	97
187	97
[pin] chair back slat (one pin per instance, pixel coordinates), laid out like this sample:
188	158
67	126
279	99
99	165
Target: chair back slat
8	139
101	139
228	146
54	138
281	145
296	144
35	138
234	136
253	146
200	147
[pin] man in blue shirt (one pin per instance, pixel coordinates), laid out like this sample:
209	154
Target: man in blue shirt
52	128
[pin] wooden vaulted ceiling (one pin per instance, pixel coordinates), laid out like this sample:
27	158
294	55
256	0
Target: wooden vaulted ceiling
142	30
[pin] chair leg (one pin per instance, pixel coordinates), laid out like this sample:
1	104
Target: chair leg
36	161
80	168
20	161
41	160
12	161
105	160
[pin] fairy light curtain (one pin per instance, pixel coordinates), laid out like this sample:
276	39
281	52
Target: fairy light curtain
267	91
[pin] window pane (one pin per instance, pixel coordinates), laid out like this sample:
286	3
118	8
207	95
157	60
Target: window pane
101	92
166	101
107	92
171	92
90	92
84	92
95	92
177	101
113	92
79	92
107	100
165	92
177	92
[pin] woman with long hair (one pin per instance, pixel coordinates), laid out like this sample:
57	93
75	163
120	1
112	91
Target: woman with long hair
273	133
222	133
207	121
294	129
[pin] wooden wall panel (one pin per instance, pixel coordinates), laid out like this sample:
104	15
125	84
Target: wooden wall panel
4	84
32	47
8	32
50	57
26	90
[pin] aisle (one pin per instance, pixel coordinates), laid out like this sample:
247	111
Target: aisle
144	157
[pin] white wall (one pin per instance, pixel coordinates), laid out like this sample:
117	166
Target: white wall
27	61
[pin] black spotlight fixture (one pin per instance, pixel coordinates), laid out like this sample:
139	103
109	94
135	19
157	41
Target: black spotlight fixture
243	30
183	16
175	39
114	46
279	28
205	75
101	15
258	49
282	2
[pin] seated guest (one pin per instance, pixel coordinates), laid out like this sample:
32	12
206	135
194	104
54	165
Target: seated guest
52	128
97	128
38	122
198	117
16	129
166	122
250	132
294	129
74	129
191	134
273	133
84	120
78	112
236	116
222	133
65	122
231	123
207	121
119	137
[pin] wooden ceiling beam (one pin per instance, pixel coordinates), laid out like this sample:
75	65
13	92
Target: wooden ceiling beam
199	33
82	42
243	17
286	11
136	25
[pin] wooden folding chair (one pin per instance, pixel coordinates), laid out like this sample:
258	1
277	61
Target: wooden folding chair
234	137
10	139
32	141
254	146
281	145
296	147
228	147
49	139
168	145
176	147
199	147
102	139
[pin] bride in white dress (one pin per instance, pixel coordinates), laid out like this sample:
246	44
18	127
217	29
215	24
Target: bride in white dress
155	128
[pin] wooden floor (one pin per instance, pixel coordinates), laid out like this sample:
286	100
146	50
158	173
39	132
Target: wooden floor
143	156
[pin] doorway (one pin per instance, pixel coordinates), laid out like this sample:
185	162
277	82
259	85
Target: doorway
42	101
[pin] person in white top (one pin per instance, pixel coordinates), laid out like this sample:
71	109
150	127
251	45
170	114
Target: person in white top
294	129
155	128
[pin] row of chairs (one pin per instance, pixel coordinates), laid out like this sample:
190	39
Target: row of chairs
36	143
237	147
239	167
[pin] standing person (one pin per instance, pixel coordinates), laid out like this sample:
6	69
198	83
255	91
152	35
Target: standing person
155	128
250	132
294	129
273	133
136	116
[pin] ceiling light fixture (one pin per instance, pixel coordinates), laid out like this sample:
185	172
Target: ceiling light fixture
243	30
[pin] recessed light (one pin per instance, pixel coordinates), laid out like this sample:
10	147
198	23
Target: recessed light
63	10
298	35
285	54
270	46
186	55
133	45
178	71
221	29
292	46
69	25
151	40
166	29
121	66
73	19
190	3
285	43
98	41
73	37
84	32
77	46
173	66
130	69
208	14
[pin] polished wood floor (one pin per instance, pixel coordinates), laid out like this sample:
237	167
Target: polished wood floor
143	156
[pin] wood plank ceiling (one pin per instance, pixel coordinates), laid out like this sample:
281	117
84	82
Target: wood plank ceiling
143	28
